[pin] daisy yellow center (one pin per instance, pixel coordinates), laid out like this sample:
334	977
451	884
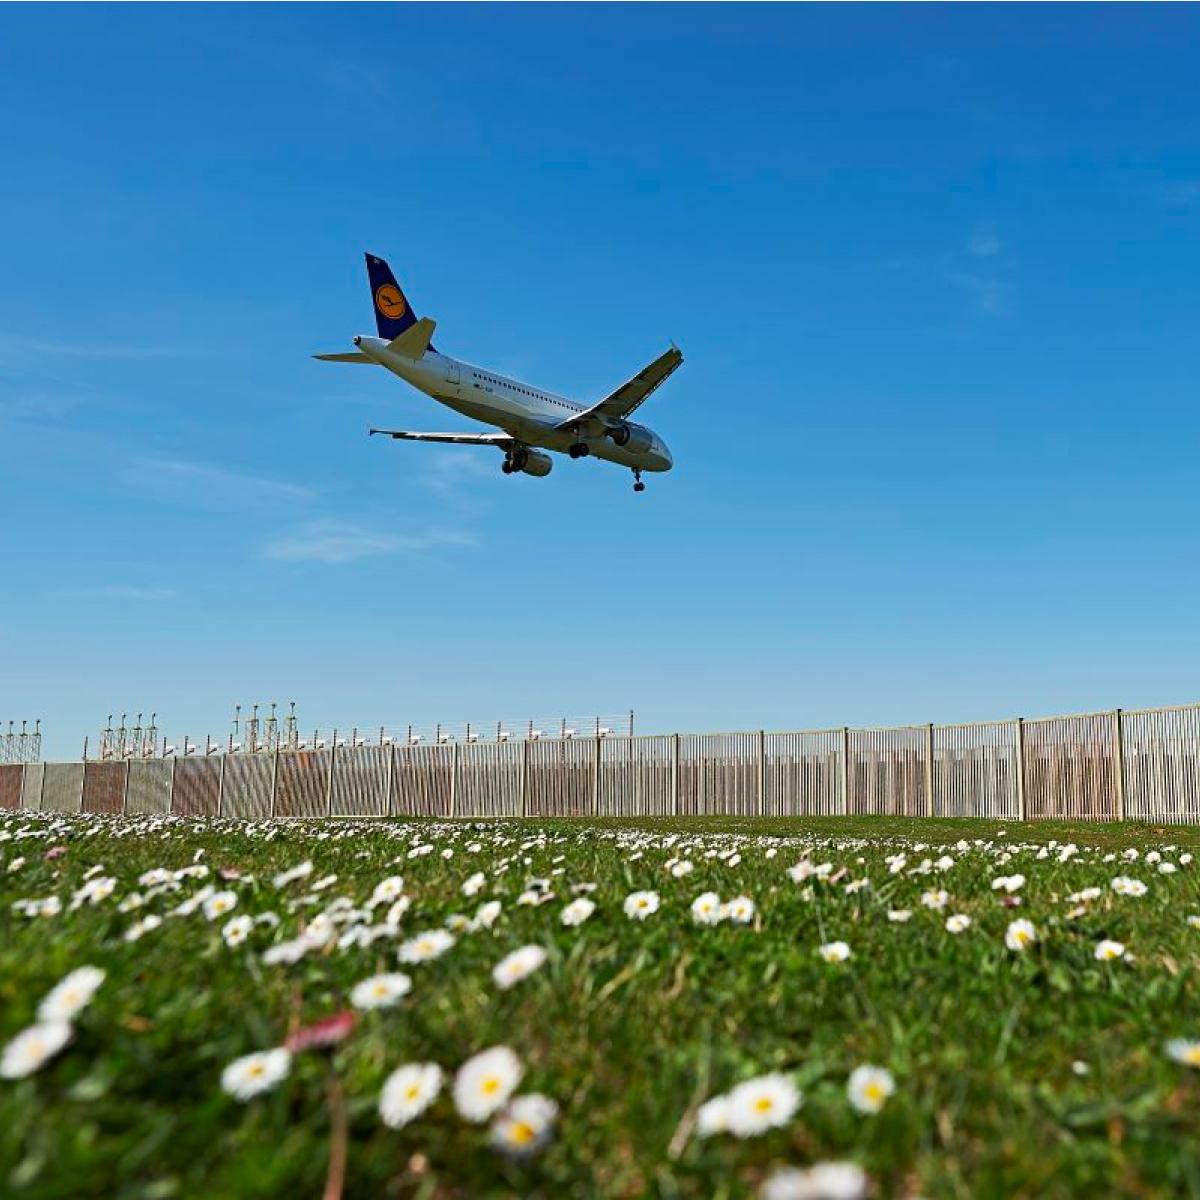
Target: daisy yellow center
412	1092
642	903
1192	1056
873	1091
764	1104
381	989
521	1133
256	1070
490	1085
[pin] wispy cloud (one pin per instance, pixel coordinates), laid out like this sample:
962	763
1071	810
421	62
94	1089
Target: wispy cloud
987	293
983	243
120	591
18	350
1182	194
204	485
332	541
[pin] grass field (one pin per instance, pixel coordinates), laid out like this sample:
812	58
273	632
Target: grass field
690	1050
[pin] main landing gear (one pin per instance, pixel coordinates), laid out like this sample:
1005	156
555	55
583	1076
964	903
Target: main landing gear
638	485
579	450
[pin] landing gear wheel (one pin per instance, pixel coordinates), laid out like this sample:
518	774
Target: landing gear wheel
579	450
638	485
506	466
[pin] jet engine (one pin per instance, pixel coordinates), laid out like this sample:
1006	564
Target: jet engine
637	439
532	462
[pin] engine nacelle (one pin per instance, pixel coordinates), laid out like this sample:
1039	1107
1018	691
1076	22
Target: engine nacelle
637	439
532	462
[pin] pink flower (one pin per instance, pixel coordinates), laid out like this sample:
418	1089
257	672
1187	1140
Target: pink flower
55	852
326	1032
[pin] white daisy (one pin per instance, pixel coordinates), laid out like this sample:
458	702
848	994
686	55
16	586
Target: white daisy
218	904
381	991
578	911
33	1047
869	1087
71	995
237	929
1107	950
1185	1051
958	923
487	913
426	946
899	915
740	910
518	965
639	905
1020	934
761	1104
834	952
935	899
706	908
408	1092
254	1073
824	1181
713	1117
484	1083
525	1126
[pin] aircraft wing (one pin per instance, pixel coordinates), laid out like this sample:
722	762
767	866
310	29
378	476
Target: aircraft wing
616	406
503	440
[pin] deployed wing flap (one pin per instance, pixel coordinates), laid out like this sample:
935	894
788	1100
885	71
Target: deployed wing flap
616	406
502	440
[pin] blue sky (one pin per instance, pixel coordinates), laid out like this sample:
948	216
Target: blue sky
934	271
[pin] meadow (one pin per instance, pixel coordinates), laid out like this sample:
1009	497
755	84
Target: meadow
704	1008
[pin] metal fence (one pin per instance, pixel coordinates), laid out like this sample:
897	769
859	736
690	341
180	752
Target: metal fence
1142	765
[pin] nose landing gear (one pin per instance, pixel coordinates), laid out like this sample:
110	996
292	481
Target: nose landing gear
638	485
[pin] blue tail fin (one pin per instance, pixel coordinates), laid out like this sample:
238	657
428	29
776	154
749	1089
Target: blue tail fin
393	313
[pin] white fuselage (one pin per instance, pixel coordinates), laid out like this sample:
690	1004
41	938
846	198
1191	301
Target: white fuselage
528	414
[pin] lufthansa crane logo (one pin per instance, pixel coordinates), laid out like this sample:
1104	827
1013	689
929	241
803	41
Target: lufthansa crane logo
389	301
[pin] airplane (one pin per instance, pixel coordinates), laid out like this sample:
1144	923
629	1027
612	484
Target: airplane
531	420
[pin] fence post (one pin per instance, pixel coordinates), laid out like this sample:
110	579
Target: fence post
1119	763
596	780
929	769
762	772
845	770
220	785
391	767
453	776
274	779
525	777
674	774
125	790
329	778
1021	768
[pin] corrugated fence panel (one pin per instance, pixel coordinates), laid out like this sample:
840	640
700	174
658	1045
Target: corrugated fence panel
636	776
11	777
718	773
196	790
975	770
1070	767
62	787
360	781
421	781
802	773
31	786
1161	761
246	791
561	778
489	779
886	771
149	789
302	784
104	786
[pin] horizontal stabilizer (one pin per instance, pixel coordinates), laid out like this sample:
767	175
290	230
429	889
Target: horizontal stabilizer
354	356
414	341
